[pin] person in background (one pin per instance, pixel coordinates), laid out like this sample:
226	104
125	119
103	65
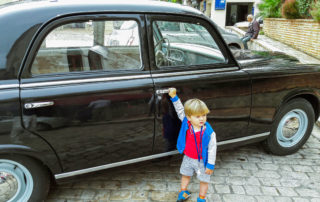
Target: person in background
253	31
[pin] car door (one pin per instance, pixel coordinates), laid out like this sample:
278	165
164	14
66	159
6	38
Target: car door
88	98
200	68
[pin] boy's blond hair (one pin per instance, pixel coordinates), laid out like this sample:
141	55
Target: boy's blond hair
194	107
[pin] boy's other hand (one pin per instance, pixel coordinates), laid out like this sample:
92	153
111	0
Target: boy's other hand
172	92
208	171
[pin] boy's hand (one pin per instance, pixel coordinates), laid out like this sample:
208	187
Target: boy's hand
208	171
172	92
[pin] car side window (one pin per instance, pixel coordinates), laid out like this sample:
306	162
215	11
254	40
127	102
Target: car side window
184	44
89	46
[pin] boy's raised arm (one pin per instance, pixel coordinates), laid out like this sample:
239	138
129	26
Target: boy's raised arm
177	103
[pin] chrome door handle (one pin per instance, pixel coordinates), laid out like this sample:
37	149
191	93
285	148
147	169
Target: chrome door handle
38	104
162	91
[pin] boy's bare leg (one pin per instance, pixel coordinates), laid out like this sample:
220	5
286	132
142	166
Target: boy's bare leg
203	188
185	182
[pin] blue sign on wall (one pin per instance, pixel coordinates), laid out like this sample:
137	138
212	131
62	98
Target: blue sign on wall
220	4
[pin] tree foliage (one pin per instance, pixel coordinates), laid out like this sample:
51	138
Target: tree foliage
290	9
315	11
270	8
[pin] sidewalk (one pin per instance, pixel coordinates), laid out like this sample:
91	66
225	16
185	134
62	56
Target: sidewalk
265	43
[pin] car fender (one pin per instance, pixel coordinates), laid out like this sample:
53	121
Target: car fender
311	95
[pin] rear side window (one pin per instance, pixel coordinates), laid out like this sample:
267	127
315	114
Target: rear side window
89	46
184	44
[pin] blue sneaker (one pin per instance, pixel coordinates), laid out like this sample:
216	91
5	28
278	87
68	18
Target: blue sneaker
183	195
201	200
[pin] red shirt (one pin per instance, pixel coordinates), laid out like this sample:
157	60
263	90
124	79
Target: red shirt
190	149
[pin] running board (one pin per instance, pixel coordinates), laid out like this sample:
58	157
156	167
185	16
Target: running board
122	163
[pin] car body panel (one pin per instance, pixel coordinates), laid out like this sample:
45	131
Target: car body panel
99	119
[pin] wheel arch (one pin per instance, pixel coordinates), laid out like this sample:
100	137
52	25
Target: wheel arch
309	96
21	150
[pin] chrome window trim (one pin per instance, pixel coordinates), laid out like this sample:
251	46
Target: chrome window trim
111	165
118	78
8	86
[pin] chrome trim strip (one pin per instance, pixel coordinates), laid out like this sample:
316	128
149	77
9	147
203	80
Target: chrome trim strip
241	139
97	168
88	170
78	81
195	72
7	86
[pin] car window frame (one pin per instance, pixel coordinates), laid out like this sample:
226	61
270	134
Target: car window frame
49	26
207	24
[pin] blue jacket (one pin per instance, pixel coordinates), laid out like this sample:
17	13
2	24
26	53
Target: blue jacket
181	143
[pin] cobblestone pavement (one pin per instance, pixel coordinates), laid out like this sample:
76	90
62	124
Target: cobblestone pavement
242	174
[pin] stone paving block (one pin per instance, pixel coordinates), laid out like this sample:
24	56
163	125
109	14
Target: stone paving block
293	175
252	181
266	173
271	182
249	166
265	198
308	192
269	191
120	195
240	173
283	199
235	180
163	196
222	189
252	190
213	198
102	195
290	183
221	172
139	195
268	166
315	200
237	198
300	200
88	194
286	191
218	180
304	169
70	193
285	168
155	186
173	186
238	189
133	185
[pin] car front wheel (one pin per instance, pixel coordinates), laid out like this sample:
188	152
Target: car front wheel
24	179
291	128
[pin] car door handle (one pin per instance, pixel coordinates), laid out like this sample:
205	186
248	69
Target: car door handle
162	91
33	105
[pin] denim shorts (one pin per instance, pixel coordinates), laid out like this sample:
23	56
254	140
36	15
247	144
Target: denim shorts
190	166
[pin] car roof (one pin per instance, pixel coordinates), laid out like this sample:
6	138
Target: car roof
25	18
61	7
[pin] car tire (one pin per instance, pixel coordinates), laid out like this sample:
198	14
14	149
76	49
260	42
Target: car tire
291	128
27	179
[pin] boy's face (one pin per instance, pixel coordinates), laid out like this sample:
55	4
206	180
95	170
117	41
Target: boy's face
197	121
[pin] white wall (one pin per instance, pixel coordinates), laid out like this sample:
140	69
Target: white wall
219	16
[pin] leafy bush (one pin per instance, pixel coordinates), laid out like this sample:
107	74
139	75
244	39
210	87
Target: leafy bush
315	12
270	8
304	8
290	9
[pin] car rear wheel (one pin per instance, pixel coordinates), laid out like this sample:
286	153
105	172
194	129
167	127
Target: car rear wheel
291	128
24	179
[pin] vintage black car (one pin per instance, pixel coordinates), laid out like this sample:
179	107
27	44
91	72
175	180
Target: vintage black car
73	102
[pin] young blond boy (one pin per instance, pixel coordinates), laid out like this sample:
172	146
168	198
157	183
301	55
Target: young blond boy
197	141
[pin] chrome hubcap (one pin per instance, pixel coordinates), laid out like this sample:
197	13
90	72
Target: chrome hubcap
292	128
16	183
